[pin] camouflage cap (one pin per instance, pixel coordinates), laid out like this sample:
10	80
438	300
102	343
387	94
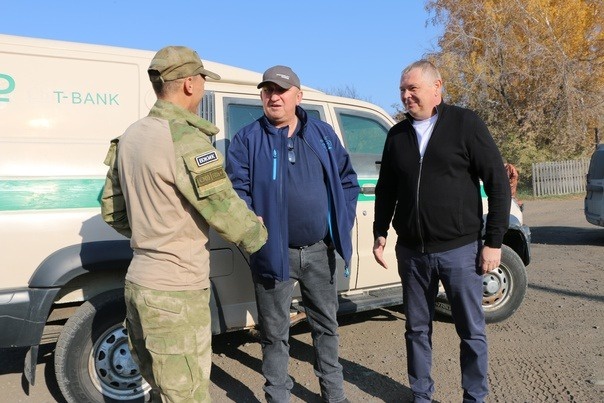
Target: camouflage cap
283	76
174	62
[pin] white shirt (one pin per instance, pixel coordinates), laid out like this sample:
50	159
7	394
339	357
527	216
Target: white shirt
423	130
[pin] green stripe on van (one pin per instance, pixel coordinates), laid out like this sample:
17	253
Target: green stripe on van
371	197
45	194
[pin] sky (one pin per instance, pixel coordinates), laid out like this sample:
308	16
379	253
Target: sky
331	44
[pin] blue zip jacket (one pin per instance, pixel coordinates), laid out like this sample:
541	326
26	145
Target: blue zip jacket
257	166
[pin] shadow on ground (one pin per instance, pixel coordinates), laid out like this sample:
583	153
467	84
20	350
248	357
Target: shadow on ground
556	235
12	362
380	386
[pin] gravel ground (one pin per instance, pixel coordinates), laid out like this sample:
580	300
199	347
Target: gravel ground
550	350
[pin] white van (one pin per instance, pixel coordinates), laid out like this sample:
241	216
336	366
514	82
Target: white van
63	268
594	196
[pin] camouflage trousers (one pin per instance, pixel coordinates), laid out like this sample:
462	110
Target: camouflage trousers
170	337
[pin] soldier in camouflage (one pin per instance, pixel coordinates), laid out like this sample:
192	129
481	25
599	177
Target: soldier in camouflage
165	188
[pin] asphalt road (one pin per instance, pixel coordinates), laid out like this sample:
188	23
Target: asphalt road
551	349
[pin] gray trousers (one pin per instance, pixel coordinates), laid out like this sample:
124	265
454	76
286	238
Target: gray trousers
314	268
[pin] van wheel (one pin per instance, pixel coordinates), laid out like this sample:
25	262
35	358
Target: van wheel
503	289
92	359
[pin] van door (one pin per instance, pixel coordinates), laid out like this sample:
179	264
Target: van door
594	198
364	136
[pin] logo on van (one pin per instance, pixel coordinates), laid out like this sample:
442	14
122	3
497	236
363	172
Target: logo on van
86	98
7	85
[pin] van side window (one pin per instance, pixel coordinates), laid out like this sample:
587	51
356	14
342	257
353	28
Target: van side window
364	136
239	115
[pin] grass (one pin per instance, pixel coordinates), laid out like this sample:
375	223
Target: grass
527	194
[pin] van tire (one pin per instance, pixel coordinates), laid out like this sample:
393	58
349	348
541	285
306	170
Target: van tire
92	360
503	289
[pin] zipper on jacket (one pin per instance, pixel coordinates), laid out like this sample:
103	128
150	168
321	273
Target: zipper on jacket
419	178
284	251
274	164
419	226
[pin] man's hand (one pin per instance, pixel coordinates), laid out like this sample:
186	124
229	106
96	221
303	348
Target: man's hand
378	251
490	258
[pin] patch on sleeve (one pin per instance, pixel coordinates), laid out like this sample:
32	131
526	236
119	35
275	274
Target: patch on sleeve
209	177
206	158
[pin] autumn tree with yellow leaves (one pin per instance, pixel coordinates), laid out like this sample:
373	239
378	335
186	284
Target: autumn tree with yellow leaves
532	69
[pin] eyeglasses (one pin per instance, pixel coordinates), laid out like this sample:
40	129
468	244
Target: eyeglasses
291	155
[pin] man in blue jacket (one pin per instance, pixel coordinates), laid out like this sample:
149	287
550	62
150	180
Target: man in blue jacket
293	172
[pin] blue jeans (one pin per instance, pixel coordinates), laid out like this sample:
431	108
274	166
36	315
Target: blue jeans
314	268
459	271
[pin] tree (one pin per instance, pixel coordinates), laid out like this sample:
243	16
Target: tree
347	91
533	69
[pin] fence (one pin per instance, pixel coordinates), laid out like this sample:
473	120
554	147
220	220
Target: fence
559	177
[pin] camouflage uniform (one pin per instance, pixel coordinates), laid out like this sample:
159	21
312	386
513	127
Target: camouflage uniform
165	188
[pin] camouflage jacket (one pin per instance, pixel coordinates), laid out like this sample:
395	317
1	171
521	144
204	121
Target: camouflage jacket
165	200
